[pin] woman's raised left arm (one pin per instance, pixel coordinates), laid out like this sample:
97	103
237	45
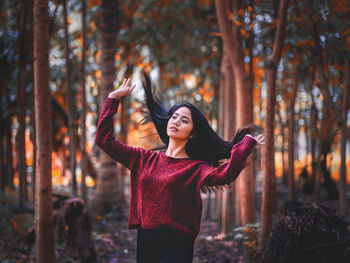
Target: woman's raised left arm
229	171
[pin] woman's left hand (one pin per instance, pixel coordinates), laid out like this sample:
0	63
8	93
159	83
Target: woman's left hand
260	139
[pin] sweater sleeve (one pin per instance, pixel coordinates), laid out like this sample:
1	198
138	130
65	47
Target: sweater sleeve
228	171
117	150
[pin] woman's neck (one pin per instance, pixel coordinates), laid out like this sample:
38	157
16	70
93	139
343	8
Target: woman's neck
176	149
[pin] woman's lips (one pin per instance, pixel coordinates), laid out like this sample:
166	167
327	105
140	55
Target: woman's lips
173	129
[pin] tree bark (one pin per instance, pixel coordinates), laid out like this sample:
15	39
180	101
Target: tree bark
9	158
291	180
227	79
124	129
221	98
34	148
282	126
345	106
43	201
21	103
69	98
269	182
2	171
84	161
314	139
107	192
32	121
233	46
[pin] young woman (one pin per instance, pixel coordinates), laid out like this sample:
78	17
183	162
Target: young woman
165	202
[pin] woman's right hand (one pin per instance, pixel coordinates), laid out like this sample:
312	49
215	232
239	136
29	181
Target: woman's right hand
123	90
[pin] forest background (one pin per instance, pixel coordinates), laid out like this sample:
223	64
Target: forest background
282	65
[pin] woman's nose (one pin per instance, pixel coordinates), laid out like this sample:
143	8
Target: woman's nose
176	122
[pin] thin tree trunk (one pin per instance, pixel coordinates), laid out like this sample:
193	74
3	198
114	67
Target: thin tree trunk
45	251
22	104
84	163
322	84
327	136
69	98
9	158
291	180
307	143
283	143
2	170
227	79
221	98
317	194
269	182
33	135
284	173
124	129
314	135
107	193
345	106
34	148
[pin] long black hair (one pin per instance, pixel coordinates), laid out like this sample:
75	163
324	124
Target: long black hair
206	144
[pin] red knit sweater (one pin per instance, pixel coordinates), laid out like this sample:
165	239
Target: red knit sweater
165	191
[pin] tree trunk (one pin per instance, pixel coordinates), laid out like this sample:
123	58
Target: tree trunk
314	135
21	103
322	84
71	112
45	251
318	178
291	180
32	116
107	193
84	161
269	182
345	106
124	129
34	148
9	158
233	46
282	126
221	98
2	170
327	136
227	81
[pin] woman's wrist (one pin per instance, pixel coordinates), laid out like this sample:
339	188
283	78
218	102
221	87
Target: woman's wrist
260	140
113	97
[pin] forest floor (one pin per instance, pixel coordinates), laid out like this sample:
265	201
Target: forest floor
113	241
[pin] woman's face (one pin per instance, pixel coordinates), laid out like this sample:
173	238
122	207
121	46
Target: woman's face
180	124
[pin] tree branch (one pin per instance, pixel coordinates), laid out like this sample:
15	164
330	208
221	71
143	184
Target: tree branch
225	25
279	39
322	84
328	100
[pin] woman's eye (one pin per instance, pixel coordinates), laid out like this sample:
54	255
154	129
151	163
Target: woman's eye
185	121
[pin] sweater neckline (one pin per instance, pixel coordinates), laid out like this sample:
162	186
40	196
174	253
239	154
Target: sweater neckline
173	159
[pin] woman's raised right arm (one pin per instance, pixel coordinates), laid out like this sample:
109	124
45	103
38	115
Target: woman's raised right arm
105	139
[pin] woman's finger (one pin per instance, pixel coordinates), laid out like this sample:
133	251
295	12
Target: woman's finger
127	83
262	140
132	88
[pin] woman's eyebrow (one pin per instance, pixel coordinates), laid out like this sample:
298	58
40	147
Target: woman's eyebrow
183	116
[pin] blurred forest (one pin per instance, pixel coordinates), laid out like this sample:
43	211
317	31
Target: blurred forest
282	65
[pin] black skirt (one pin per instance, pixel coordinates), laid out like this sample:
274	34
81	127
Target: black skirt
163	245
